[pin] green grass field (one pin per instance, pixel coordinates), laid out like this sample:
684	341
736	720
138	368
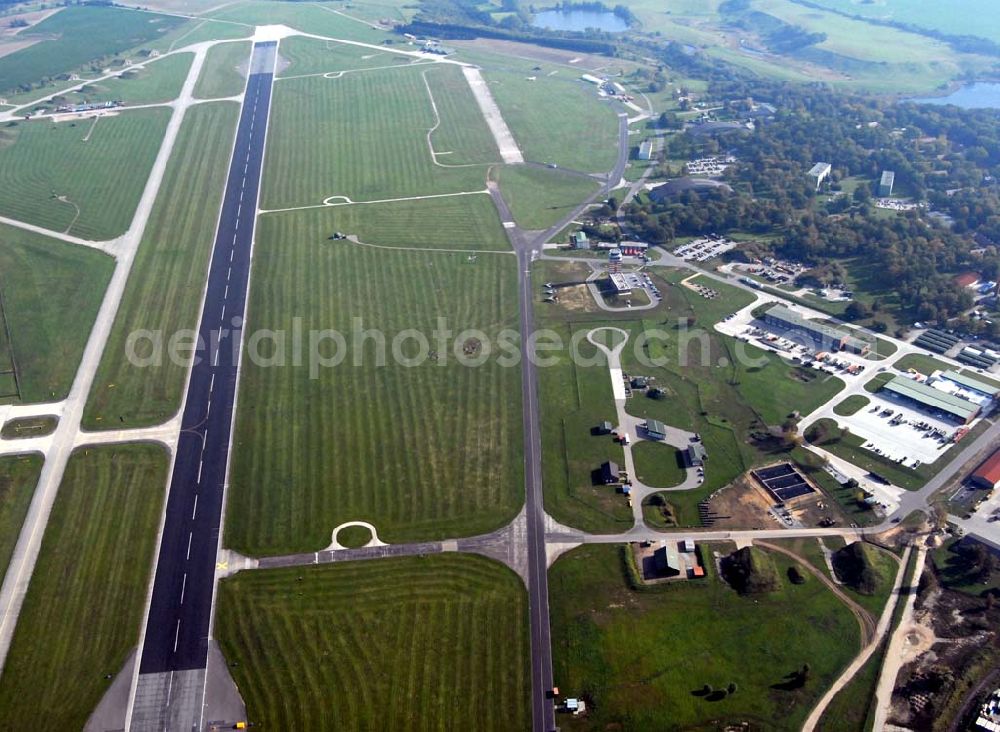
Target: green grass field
851	405
325	19
84	605
165	288
363	136
18	478
557	119
76	36
421	451
313	56
84	178
21	428
438	642
657	464
539	197
51	294
640	658
224	74
456	222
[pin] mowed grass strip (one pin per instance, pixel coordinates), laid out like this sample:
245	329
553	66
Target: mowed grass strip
540	197
18	479
51	294
557	119
641	658
438	642
224	71
315	56
84	605
75	36
422	451
84	178
456	222
462	136
363	136
165	288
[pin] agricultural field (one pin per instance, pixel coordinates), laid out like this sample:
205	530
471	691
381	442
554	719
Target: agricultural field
324	19
363	136
315	56
84	605
83	178
51	293
164	291
224	72
18	478
641	659
557	119
456	222
540	197
409	643
77	36
961	17
435	445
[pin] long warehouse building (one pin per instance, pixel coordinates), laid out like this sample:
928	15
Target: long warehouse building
818	336
933	400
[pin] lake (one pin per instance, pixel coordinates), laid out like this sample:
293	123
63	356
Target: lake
981	95
579	20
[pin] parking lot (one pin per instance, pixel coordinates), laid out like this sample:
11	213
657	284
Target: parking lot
705	248
900	431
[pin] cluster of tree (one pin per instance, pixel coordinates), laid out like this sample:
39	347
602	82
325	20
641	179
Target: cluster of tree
855	566
750	571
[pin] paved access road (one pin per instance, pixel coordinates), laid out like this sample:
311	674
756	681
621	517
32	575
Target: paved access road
177	627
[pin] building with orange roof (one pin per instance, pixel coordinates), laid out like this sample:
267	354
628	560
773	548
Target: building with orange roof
987	475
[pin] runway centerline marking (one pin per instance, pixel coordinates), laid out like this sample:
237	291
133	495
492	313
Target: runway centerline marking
194	511
190	536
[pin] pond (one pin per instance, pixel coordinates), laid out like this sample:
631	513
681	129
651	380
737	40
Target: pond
981	95
579	20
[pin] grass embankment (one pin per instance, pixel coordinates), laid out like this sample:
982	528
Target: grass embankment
18	479
363	136
414	643
165	288
428	449
641	661
82	178
539	197
84	605
224	71
51	294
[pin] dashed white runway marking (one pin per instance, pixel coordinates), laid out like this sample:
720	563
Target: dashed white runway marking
194	510
184	582
190	536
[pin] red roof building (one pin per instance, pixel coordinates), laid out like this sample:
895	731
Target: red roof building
988	474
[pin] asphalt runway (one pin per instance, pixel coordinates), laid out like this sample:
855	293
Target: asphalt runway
177	626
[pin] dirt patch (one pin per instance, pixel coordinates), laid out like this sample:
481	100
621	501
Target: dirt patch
741	505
